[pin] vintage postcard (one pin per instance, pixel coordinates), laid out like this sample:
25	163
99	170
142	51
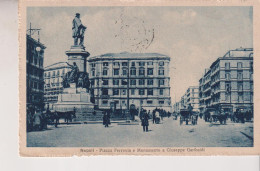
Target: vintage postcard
139	77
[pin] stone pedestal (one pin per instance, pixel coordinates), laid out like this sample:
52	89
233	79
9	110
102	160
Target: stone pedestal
76	97
79	55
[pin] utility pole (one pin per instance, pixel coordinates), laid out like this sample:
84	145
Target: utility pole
32	31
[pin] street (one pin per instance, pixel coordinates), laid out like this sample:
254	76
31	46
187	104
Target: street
167	134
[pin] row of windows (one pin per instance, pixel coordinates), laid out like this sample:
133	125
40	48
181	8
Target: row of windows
239	75
132	71
132	82
239	65
228	86
54	73
142	63
132	91
34	71
105	102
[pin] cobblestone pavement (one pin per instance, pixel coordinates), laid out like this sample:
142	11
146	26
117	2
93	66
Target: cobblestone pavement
167	134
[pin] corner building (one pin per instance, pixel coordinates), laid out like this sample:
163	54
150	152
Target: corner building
229	82
143	78
53	77
34	72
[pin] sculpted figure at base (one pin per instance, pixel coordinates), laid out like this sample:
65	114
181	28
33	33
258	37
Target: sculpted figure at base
73	73
78	30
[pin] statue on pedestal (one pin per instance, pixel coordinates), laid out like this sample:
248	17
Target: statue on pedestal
78	30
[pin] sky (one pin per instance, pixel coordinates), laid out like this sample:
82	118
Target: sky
193	37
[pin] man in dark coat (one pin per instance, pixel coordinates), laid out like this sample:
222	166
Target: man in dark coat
106	119
145	122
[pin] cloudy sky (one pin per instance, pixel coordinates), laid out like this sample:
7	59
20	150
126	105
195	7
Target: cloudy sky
193	37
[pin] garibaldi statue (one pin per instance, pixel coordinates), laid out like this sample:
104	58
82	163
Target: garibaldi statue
78	30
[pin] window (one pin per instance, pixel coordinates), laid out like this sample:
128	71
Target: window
149	102
227	75
116	63
150	63
104	71
149	71
161	71
124	71
239	75
124	64
239	65
133	71
228	87
92	82
150	92
141	71
161	102
133	64
49	74
115	92
240	97
251	65
63	72
123	82
161	63
150	82
161	82
132	91
93	65
104	102
105	63
115	82
105	82
104	91
53	74
93	72
141	91
116	71
161	91
141	63
227	65
124	92
141	82
132	82
240	86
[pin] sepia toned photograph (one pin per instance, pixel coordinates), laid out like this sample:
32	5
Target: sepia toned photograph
129	79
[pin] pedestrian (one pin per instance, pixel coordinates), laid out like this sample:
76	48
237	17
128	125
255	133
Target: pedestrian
145	122
37	120
105	119
153	116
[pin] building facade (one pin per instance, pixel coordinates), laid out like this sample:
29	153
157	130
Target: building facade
34	72
191	97
230	82
140	80
53	77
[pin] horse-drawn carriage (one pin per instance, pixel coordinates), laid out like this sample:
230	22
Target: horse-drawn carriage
188	116
214	115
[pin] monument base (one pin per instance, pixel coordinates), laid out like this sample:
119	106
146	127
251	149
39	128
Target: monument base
79	99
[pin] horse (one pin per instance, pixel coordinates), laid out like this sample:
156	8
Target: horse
54	117
68	116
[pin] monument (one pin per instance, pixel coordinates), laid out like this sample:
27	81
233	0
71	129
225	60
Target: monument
76	84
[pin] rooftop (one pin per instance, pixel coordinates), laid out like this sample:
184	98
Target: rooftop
56	65
130	55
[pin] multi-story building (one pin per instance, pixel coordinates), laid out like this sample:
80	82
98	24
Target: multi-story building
191	97
177	107
205	90
140	80
34	72
231	81
53	77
